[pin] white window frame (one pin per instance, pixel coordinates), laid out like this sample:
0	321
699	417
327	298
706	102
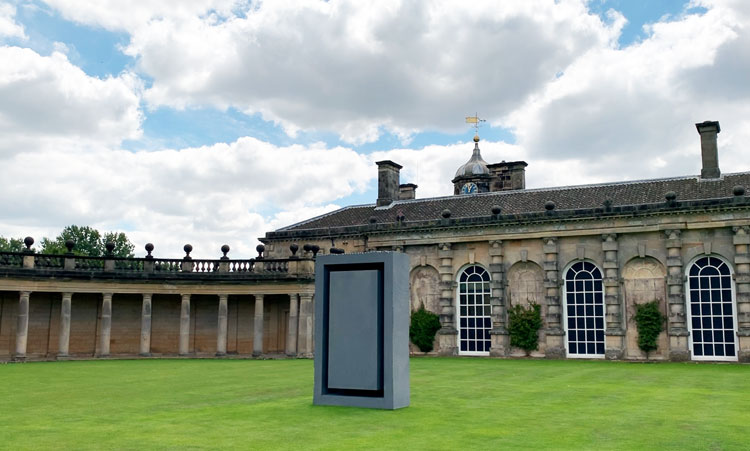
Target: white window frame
564	305
458	309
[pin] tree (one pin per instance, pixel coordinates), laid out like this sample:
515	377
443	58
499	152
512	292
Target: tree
11	244
88	242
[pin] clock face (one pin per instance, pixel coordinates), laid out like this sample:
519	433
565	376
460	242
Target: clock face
469	188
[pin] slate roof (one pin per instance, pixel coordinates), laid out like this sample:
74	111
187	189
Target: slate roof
689	188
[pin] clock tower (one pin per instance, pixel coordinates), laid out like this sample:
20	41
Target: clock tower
473	176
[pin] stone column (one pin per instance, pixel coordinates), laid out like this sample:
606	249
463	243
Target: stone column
677	327
500	339
447	334
106	324
258	326
64	340
184	347
554	333
145	345
742	285
221	329
22	325
305	342
291	330
615	334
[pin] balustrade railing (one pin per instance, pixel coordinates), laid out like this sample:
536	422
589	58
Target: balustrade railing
78	263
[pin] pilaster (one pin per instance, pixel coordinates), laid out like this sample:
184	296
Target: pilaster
554	331
64	338
221	328
447	334
500	345
615	333
184	347
291	330
305	331
106	325
741	242
145	342
258	326
22	325
677	325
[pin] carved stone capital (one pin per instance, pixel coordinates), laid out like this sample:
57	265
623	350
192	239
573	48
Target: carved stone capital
673	234
609	237
444	246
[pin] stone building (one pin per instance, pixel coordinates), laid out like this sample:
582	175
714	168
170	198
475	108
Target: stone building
586	254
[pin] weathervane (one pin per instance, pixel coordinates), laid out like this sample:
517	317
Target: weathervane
476	121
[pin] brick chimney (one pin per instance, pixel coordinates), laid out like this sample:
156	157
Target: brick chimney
709	150
388	182
407	191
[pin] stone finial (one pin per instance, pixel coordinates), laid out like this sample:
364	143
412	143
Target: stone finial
446	213
28	241
496	209
260	249
225	250
110	247
70	244
188	249
738	190
400	216
294	247
149	247
307	247
336	250
607	204
549	205
671	198
315	249
373	219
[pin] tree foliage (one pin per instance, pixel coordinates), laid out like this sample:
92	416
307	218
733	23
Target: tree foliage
424	326
11	244
88	242
524	323
650	323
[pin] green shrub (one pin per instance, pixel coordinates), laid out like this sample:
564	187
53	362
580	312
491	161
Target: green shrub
424	326
650	323
524	323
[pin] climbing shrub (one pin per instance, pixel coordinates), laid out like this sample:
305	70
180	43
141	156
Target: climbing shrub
524	323
424	326
650	323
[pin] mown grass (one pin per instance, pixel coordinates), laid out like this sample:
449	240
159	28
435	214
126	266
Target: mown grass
456	403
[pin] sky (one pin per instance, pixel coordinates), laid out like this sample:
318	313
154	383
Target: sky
211	122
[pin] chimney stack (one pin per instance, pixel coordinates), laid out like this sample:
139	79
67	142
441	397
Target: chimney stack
709	150
388	182
407	191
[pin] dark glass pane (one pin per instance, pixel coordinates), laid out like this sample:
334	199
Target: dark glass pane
695	309
703	282
706	309
701	262
706	323
717	323
600	348
486	276
571	310
488	323
729	336
728	322
693	283
472	346
588	285
589	323
590	348
694	270
579	298
716	309
581	323
726	295
599	335
589	335
596	273
584	276
705	296
719	350
598	310
471	311
572	348
708	349
463	279
708	336
581	335
471	322
579	285
463	311
463	334
715	283
579	310
571	323
709	271
589	298
726	282
577	266
696	323
571	335
730	350
590	310
463	322
697	349
598	298
475	278
569	286
463	346
571	298
697	336
597	285
695	296
714	261
599	323
471	334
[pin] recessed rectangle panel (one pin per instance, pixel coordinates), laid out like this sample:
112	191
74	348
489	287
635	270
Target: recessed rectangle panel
355	330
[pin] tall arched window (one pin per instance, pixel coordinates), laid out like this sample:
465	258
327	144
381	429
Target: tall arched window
584	310
711	313
474	311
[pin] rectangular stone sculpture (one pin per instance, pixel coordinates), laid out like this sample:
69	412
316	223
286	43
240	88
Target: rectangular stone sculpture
362	330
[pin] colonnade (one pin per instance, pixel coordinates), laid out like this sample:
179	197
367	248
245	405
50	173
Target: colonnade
299	336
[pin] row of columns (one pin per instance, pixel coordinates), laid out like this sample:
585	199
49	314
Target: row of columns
301	314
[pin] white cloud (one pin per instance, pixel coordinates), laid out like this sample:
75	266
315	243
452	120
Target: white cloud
8	26
45	101
349	66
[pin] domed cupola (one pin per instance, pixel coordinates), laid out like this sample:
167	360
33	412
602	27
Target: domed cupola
474	175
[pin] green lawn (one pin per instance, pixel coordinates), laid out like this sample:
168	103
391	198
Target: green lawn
455	403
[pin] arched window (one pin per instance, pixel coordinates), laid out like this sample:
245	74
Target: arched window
711	310
474	311
584	310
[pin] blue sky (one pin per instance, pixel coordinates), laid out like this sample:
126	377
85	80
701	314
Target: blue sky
188	88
